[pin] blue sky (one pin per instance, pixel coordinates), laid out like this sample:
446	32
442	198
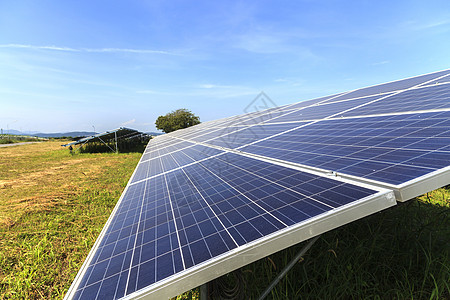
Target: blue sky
72	65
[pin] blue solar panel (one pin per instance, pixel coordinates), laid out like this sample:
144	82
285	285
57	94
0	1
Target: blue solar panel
213	197
194	133
215	133
391	149
178	220
395	85
158	150
172	160
309	102
320	111
443	80
427	98
261	118
247	135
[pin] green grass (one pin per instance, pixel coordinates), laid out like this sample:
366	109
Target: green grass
53	206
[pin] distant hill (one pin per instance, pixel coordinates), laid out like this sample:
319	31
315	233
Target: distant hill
68	134
154	133
12	131
50	135
61	134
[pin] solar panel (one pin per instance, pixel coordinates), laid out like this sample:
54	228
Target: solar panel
320	110
243	136
181	220
397	85
211	198
426	98
390	149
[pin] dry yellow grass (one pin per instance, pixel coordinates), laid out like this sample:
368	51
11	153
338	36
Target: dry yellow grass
39	176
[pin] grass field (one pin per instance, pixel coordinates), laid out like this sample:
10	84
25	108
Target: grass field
53	206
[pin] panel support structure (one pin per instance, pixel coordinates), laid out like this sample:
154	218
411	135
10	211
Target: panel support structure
204	292
288	267
115	136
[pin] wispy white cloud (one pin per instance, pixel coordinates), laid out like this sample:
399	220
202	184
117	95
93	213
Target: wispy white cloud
261	43
205	90
128	122
216	86
380	63
88	50
295	82
151	92
55	48
268	42
127	50
430	25
418	27
146	124
223	91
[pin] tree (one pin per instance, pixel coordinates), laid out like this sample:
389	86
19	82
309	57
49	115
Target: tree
177	119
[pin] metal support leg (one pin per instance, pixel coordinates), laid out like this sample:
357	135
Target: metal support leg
105	144
115	135
204	292
288	267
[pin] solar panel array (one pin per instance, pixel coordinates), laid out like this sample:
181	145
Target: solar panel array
121	133
211	198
